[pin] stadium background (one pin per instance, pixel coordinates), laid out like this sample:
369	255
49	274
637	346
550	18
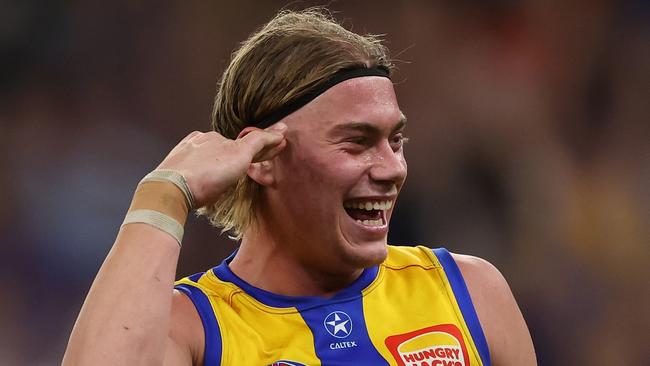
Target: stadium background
529	126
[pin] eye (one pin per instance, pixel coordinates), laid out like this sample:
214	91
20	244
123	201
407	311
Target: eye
398	140
358	140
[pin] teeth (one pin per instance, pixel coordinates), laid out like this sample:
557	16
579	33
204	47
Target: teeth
377	222
369	205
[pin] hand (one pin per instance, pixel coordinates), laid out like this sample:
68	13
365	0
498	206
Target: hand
212	163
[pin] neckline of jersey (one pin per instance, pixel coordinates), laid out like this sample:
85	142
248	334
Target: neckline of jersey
353	291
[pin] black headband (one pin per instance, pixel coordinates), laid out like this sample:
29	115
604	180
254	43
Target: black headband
319	89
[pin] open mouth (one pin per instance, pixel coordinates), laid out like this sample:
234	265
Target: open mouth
368	212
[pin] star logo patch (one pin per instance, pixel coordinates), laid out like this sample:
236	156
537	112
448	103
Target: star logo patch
338	324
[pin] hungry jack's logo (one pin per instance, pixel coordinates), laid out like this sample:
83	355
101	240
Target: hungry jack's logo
440	345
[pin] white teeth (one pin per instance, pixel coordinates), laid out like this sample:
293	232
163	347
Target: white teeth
369	205
377	222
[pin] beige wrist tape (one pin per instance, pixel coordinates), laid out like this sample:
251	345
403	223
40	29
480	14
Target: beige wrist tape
157	220
163	175
160	204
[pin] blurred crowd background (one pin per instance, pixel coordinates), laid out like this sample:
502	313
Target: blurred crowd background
530	147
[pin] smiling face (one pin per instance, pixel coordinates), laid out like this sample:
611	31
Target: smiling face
337	181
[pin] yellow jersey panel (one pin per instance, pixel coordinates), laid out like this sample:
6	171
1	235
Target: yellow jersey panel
412	310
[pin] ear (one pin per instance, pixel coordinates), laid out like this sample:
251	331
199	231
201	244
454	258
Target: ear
261	172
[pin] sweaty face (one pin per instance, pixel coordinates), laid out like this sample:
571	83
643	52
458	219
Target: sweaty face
337	181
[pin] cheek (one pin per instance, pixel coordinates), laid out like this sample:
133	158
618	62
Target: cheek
308	192
339	172
320	176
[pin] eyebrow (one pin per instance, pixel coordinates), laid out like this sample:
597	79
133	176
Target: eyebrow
365	127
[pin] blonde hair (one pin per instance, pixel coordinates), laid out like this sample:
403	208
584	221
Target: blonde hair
287	57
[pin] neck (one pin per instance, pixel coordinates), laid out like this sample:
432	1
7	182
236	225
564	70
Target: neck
270	263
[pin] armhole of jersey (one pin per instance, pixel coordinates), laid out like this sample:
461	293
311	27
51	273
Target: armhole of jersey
212	352
464	300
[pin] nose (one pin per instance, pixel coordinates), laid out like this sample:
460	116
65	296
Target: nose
388	166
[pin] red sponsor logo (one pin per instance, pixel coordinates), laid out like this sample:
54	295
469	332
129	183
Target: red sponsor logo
440	345
286	363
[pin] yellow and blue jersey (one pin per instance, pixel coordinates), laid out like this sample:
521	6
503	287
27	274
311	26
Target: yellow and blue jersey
412	310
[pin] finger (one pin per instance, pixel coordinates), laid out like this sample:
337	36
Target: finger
277	127
258	141
269	152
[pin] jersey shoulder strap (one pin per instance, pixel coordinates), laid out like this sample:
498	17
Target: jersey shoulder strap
191	287
459	287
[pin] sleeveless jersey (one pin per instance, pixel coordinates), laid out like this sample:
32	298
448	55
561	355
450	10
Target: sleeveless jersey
412	310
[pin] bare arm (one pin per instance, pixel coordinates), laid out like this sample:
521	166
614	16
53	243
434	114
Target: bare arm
503	324
130	315
186	339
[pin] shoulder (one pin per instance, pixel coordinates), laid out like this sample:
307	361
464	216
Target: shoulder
502	322
482	278
186	328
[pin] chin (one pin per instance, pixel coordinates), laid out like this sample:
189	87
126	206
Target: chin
366	255
362	246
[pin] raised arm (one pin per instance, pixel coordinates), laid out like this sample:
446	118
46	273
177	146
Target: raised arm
130	315
506	332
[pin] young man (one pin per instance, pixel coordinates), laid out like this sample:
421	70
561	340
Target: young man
304	168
